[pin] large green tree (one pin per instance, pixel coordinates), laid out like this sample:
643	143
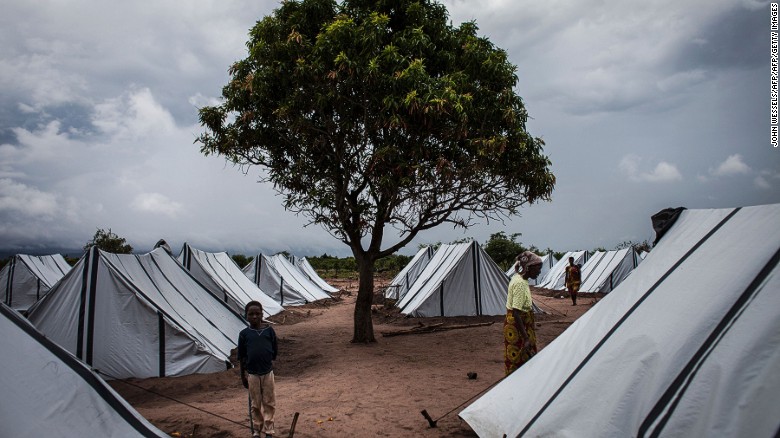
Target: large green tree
378	117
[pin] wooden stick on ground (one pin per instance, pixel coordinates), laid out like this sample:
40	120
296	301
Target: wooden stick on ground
433	328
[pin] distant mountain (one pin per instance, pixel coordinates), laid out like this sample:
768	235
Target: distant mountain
69	252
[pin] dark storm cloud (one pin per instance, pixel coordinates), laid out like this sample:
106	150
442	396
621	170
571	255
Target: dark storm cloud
643	105
736	39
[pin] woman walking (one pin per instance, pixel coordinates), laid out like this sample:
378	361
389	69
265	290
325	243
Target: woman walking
519	333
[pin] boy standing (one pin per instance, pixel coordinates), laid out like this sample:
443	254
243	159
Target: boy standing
257	350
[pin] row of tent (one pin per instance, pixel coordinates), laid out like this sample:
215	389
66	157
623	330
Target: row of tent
455	280
149	315
687	345
601	271
118	316
462	279
27	278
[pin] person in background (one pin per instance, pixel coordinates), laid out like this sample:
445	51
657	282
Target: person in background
573	279
519	332
257	349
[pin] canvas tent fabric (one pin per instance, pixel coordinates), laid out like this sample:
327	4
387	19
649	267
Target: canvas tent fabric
224	279
294	276
35	368
308	270
613	267
281	285
138	316
590	266
26	278
401	283
548	261
459	280
556	278
687	345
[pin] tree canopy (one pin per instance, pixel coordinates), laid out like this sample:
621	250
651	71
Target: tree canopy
377	116
108	241
504	249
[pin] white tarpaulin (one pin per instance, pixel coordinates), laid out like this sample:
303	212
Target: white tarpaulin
26	278
612	268
223	278
138	316
282	283
556	278
310	272
401	283
46	392
460	280
687	346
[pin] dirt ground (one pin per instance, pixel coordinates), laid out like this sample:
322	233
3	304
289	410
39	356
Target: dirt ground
340	389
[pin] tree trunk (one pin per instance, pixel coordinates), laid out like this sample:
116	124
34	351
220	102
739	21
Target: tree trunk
364	326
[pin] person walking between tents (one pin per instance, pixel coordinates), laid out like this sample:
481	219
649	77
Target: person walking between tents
519	332
573	279
257	349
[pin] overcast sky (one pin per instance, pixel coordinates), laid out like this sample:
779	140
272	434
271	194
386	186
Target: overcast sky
642	105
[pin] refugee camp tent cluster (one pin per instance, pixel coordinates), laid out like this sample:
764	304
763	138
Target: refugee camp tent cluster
601	271
48	392
283	281
456	280
224	279
687	345
138	316
26	278
556	276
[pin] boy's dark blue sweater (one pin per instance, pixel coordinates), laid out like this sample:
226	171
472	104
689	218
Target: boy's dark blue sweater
257	349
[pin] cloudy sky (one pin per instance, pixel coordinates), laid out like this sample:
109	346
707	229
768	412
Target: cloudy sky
642	105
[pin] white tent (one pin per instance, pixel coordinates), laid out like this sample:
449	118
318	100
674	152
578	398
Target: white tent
590	266
548	261
555	279
401	283
223	278
47	392
613	267
26	278
459	280
296	277
282	283
310	272
687	345
138	316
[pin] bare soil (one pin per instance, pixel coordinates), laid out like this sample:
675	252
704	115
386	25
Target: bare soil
340	389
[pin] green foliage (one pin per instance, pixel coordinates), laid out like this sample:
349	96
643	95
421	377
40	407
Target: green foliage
503	249
638	247
366	114
241	260
346	267
108	241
